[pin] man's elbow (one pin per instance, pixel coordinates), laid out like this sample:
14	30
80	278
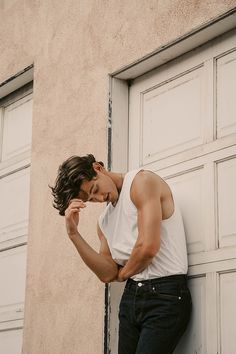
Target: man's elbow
109	277
150	251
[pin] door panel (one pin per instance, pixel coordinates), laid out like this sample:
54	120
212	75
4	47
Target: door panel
189	190
177	107
17	132
226	202
195	338
11	341
226	88
227	312
12	280
14	208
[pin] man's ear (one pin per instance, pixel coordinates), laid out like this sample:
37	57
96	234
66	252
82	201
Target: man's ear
98	167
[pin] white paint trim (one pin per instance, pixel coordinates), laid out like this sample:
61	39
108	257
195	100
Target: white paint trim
17	324
14	242
13	83
120	121
19	163
1	131
227	265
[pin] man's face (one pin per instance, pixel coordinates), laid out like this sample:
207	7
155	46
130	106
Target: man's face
100	189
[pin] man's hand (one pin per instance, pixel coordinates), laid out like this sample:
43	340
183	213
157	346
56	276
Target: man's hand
101	264
119	276
72	216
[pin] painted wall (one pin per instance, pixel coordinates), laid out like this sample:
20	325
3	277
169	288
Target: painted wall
74	45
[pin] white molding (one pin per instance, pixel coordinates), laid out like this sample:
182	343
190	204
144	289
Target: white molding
14	231
212	280
1	132
12	312
208	100
219	266
194	163
8	325
119	146
15	164
13	83
209	202
12	243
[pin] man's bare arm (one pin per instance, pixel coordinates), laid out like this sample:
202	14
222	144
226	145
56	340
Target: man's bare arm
146	195
100	263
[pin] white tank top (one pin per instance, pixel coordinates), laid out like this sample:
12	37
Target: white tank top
119	225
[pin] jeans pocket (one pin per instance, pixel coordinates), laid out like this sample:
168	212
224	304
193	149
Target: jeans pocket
170	296
171	293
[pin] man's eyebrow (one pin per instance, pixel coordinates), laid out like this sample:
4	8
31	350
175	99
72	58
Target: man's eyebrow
85	193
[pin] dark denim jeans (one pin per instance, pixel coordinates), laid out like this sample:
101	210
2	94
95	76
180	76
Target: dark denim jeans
153	315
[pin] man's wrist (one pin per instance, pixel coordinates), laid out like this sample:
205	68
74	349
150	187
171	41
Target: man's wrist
74	235
121	275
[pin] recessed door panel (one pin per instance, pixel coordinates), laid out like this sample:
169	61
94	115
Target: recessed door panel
226	88
17	128
189	191
171	118
227	312
194	340
11	341
14	205
12	280
226	173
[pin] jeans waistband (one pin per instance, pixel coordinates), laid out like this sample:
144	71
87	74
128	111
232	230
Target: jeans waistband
179	278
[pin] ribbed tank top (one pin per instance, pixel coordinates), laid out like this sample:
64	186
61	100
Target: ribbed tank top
119	225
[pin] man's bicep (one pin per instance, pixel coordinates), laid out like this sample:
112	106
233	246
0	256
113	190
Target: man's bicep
149	223
147	198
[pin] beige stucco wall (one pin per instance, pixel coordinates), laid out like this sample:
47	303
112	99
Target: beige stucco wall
73	45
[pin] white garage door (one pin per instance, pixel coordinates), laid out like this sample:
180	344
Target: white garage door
183	126
15	146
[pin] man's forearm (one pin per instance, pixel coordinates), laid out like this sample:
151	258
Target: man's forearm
138	261
105	269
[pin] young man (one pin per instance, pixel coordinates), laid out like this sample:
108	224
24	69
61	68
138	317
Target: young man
142	241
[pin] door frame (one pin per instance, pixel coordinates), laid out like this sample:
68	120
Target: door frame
118	106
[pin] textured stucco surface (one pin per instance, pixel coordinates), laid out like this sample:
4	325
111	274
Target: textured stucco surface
74	45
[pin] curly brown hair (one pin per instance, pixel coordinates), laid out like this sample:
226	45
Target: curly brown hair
70	176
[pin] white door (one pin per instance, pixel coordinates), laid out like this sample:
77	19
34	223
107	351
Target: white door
182	125
15	147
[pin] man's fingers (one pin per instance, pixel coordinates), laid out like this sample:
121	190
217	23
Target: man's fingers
77	203
74	207
70	211
76	200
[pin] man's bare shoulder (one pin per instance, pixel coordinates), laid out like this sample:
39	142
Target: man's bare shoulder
147	177
146	184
